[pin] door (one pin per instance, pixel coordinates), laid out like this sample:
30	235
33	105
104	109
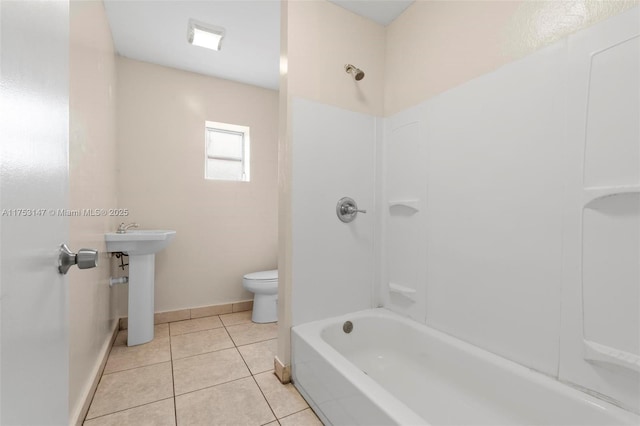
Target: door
33	195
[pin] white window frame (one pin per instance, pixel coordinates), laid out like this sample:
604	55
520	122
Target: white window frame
246	149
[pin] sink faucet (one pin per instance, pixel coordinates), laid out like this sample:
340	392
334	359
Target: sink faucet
124	228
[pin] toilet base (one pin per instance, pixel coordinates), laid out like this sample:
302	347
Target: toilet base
265	308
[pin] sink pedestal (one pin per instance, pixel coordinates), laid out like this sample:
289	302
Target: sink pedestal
141	307
141	246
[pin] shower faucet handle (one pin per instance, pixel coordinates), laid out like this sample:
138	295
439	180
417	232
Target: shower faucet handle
347	209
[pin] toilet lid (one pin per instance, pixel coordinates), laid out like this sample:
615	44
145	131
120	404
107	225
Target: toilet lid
263	275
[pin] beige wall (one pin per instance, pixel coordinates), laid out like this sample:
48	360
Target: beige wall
92	169
224	229
322	38
437	45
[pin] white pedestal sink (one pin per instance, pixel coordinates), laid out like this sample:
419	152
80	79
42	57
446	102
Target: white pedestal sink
141	246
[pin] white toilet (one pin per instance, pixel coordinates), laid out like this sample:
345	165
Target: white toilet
264	285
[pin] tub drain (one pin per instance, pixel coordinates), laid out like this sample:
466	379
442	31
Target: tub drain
347	327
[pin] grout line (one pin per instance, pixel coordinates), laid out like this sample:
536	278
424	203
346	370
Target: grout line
204	353
237	323
264	396
135	368
254	379
93	397
195	331
173	380
297	412
127	409
258	385
232	341
217	384
245	362
257	341
276	421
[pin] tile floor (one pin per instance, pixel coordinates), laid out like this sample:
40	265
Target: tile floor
215	370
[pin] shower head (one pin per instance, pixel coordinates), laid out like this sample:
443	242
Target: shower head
356	72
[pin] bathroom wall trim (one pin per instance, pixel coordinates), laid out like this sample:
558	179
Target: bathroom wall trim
78	418
283	372
193	313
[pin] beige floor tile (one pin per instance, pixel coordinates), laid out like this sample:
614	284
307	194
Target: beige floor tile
202	371
303	418
131	388
259	356
236	318
283	399
159	331
199	324
184	345
128	357
161	413
235	403
244	334
274	423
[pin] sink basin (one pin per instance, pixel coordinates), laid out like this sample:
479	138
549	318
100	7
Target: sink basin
139	241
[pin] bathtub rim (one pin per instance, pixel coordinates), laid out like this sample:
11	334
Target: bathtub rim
311	333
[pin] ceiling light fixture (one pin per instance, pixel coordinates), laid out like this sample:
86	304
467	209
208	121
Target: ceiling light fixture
205	35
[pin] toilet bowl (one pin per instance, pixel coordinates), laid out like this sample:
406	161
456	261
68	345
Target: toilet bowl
264	285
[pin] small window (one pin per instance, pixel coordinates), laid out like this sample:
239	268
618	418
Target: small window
226	152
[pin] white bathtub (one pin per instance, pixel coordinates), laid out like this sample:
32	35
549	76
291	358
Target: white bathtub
391	370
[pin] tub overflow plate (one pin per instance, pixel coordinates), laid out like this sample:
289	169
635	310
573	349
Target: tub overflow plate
347	327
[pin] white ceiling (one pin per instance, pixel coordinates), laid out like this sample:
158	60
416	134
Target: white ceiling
155	31
381	11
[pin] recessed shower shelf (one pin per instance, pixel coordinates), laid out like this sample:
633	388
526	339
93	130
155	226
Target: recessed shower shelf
594	193
402	289
409	204
597	352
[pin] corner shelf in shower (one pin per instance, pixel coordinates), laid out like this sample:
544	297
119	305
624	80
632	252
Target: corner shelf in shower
594	193
409	204
403	290
598	352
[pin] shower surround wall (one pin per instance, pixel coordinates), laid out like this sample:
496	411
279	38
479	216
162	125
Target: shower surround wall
333	157
470	194
518	260
487	265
